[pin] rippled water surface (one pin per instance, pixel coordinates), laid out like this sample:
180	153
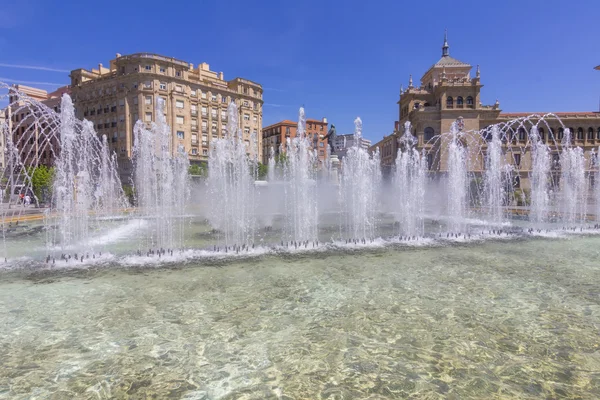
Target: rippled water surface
518	319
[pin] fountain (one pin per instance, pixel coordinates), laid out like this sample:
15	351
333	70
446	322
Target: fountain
230	185
457	184
160	182
540	172
299	174
409	182
475	177
360	184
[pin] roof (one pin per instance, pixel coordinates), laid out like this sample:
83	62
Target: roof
564	113
447	61
284	122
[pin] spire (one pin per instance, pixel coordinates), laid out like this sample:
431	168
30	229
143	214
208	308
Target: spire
478	73
410	82
445	47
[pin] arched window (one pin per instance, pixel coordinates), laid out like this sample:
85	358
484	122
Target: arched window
579	133
449	102
428	134
542	134
459	102
561	133
470	102
551	135
598	133
417	105
522	134
590	135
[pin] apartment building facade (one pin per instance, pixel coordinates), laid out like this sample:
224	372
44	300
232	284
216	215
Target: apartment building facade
196	101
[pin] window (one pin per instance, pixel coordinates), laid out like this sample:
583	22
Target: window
561	133
449	102
194	93
542	134
598	134
121	118
203	95
321	144
522	134
579	133
122	102
204	111
204	126
148	100
204	152
224	99
177	73
590	134
194	152
470	102
254	119
163	86
147	85
247	117
179	103
148	67
162	70
246	131
178	88
517	159
148	117
213	97
213	113
179	119
459	102
428	134
245	103
194	138
180	134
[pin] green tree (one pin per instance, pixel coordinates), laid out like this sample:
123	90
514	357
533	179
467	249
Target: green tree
41	181
281	158
262	171
129	193
198	170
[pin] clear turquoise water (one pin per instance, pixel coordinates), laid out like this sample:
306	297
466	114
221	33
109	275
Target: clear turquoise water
506	319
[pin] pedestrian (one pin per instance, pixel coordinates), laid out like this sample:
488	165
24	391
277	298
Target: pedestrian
27	200
21	198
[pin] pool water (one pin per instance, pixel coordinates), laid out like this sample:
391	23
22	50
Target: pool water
498	319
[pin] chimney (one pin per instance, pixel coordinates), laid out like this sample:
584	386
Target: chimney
324	120
220	75
100	68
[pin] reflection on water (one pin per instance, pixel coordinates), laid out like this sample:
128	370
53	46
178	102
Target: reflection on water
493	320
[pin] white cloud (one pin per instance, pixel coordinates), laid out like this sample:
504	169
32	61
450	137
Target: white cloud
19	66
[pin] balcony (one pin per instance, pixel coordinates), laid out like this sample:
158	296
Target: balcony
204	129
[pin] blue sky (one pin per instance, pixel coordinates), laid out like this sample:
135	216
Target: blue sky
340	59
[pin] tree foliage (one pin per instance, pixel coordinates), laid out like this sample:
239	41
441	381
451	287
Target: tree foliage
262	171
198	170
41	181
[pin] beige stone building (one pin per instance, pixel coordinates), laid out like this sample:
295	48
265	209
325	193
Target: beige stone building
448	92
196	99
